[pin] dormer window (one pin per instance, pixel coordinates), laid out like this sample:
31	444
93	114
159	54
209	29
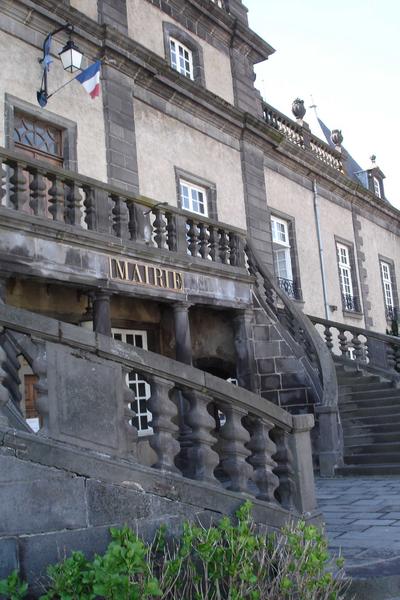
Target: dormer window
181	58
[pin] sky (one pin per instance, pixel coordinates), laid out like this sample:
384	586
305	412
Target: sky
346	56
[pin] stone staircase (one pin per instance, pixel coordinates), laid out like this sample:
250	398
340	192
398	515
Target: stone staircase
369	408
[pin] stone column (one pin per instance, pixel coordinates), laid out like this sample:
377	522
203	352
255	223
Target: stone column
3	286
330	447
304	495
183	353
101	312
183	341
245	361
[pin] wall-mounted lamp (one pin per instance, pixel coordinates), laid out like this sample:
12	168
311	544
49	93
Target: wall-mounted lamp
70	55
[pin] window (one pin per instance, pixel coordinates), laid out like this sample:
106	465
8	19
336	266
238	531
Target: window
389	291
181	58
193	197
377	187
140	388
38	139
350	302
282	256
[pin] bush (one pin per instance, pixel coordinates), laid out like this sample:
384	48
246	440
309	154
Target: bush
229	561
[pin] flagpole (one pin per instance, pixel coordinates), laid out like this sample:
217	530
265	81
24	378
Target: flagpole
60	88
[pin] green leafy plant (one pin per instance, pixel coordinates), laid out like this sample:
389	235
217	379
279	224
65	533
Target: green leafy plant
13	588
232	560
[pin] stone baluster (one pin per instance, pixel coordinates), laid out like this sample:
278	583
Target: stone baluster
120	217
165	430
57	201
262	449
224	247
397	358
213	241
159	226
3	183
39	367
202	458
38	187
192	238
328	338
203	241
232	450
237	258
358	347
131	434
269	295
4	393
12	367
89	203
343	345
284	468
102	312
391	356
172	237
20	191
74	204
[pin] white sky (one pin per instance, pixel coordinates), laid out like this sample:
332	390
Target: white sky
346	54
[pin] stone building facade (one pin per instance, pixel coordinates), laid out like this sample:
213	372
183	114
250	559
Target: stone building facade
185	218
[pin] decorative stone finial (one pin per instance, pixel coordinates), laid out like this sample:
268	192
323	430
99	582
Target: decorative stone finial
373	159
337	137
298	109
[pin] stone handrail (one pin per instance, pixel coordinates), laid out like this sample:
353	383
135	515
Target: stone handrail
302	137
319	366
68	198
363	347
83	399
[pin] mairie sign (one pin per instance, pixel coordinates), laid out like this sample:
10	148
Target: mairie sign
134	272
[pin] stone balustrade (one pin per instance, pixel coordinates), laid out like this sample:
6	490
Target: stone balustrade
364	347
234	439
303	138
66	198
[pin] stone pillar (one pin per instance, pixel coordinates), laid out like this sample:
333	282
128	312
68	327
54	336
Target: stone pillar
101	312
304	495
183	353
246	372
183	341
3	289
330	447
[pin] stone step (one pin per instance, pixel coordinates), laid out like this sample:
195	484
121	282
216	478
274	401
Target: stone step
358	379
376	469
377	580
392	458
365	394
345	402
364	387
356	421
373	448
366	411
371	438
353	429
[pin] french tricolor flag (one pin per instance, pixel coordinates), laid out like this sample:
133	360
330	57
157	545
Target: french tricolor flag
90	79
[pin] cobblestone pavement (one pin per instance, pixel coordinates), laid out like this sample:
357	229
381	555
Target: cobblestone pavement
362	517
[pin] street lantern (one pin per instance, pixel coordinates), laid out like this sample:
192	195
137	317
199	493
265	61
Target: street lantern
71	57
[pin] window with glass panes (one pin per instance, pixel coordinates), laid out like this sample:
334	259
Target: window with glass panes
281	246
181	58
377	187
193	198
140	388
343	256
387	284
